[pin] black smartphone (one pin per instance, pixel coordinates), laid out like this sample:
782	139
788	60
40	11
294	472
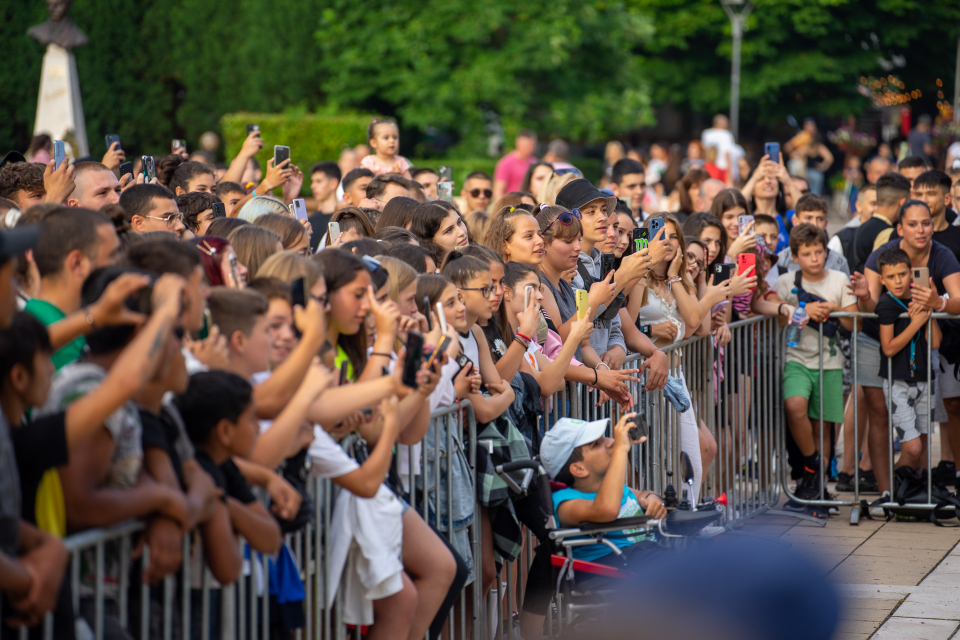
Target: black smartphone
414	359
426	307
125	168
641	430
252	127
440	348
463	361
219	210
772	149
111	138
297	295
280	153
343	372
641	240
722	272
147	168
144	301
608	263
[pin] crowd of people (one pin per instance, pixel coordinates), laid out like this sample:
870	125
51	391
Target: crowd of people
169	342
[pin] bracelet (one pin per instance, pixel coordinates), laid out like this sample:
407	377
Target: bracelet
378	353
519	340
604	364
88	316
520	335
674	280
780	309
595	377
940	310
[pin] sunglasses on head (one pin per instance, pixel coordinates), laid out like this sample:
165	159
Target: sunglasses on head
566	219
475	193
561	172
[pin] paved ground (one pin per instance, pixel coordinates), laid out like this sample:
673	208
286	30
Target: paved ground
899	579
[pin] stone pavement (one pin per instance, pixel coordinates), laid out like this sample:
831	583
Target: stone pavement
900	580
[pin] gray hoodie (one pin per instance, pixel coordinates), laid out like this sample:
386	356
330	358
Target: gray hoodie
606	333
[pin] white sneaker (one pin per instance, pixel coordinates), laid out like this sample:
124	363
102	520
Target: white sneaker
877	512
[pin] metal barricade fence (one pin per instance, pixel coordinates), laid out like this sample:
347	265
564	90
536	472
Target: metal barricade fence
927	376
734	394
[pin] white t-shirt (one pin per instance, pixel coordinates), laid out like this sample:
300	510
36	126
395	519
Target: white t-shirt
723	140
832	288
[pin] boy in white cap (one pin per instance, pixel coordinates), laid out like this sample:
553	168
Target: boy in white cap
594	468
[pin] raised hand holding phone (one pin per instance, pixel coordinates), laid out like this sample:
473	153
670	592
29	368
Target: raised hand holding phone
601	293
529	318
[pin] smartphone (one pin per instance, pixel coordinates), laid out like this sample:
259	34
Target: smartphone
527	293
59	153
463	361
921	277
640	430
146	167
219	210
343	372
722	272
233	267
446	173
111	138
582	303
414	357
440	348
445	191
442	317
761	243
252	127
641	239
720	306
772	149
299	209
178	145
655	225
298	294
125	168
333	230
426	308
280	153
743	222
608	262
744	262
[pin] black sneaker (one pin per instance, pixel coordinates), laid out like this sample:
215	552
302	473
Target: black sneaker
868	483
845	483
809	486
946	473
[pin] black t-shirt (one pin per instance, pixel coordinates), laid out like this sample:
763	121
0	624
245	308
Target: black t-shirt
319	222
941	263
863	243
160	434
888	311
498	348
226	476
40	445
950	238
950	215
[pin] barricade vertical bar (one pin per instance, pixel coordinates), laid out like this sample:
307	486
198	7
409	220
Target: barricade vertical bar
930	403
242	607
98	591
855	390
890	420
75	580
185	589
144	599
168	608
205	594
266	595
824	461
124	578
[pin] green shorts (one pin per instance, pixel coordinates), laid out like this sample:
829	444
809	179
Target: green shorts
801	381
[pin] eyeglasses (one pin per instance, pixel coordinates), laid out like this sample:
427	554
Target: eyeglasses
566	219
561	172
484	291
693	259
168	219
475	193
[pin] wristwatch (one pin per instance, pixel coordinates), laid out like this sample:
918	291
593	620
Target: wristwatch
645	330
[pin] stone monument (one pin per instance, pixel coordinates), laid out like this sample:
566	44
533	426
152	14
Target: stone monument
59	109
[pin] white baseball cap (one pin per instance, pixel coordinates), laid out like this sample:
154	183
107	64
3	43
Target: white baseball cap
566	435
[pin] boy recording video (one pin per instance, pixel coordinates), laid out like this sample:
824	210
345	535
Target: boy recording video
903	342
594	468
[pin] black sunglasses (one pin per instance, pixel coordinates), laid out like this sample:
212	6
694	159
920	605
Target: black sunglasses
475	193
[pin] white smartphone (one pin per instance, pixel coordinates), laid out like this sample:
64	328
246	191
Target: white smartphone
527	292
59	153
299	209
442	318
333	230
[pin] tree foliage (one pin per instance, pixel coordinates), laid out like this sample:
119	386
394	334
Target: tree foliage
559	66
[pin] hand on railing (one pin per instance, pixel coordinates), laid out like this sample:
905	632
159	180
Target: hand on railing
284	498
165	539
657	368
820	311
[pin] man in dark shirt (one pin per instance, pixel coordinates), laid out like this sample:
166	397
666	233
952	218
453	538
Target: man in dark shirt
892	191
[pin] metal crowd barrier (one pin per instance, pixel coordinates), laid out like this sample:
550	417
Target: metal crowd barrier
734	392
855	502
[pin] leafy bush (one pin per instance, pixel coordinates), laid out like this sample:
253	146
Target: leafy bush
311	137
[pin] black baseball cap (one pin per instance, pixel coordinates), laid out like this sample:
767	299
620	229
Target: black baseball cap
14	242
579	192
11	157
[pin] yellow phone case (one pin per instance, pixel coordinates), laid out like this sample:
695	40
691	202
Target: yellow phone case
582	303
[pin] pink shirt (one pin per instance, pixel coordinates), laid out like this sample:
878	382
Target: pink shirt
399	165
511	170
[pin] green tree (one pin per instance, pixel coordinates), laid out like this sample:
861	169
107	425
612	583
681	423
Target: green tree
559	66
801	57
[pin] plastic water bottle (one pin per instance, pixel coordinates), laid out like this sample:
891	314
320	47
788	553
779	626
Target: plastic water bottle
793	333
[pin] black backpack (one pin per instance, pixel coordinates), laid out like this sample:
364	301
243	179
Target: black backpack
912	489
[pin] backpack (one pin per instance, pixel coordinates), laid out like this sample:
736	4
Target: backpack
912	489
831	325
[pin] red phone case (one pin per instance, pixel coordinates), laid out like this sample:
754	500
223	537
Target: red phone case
744	262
